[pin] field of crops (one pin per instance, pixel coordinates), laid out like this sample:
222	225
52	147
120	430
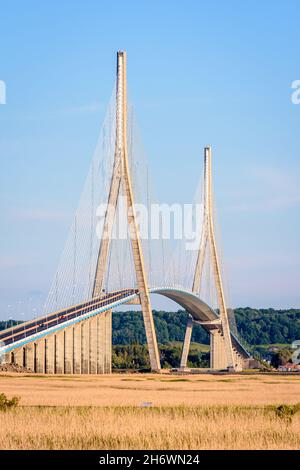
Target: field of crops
151	412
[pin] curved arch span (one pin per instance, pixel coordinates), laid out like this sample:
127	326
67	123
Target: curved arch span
199	310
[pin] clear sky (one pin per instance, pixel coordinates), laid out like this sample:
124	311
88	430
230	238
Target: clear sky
199	73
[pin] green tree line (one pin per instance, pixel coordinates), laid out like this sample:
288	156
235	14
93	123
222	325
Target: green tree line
257	328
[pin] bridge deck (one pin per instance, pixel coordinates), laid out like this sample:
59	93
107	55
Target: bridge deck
45	322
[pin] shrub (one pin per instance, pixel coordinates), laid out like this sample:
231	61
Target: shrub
6	404
287	412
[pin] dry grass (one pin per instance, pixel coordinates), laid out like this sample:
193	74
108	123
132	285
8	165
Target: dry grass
161	390
191	412
185	427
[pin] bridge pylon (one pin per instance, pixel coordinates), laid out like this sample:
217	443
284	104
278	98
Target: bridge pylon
220	338
121	176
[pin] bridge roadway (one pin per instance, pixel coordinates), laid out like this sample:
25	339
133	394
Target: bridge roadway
24	333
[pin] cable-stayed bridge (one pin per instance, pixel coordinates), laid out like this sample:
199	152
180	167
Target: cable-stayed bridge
115	255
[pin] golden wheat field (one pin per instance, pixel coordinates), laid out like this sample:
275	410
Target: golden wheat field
149	411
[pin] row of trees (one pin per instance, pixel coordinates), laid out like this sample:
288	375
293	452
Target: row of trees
128	328
135	356
268	326
255	327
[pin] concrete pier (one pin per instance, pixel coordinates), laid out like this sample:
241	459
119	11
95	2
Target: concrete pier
84	348
49	347
40	350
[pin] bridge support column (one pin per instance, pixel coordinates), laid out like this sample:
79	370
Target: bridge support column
69	353
108	342
50	354
93	345
19	357
100	344
77	349
29	356
5	358
40	356
186	343
218	358
104	342
59	352
85	349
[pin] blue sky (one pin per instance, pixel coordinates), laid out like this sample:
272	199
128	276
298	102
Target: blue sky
199	73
